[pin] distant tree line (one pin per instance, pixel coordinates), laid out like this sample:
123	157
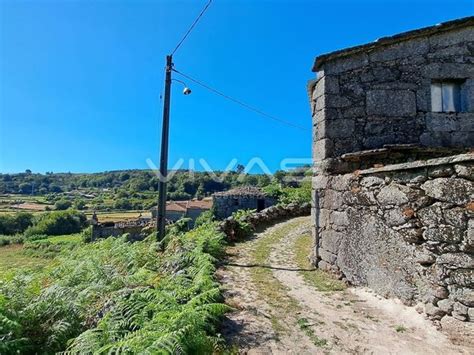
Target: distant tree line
127	183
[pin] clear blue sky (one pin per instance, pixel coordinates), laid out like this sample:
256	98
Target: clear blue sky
80	80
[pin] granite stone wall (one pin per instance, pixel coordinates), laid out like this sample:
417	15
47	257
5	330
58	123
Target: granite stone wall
382	95
404	230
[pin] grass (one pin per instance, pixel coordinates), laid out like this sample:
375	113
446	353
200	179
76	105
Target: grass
400	329
13	259
272	290
60	239
306	328
320	280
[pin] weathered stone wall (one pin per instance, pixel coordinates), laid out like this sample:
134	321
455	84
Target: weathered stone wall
382	95
269	215
404	230
225	205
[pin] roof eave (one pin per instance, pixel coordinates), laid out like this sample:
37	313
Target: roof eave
385	41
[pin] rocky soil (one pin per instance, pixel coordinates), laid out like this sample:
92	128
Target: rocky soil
284	306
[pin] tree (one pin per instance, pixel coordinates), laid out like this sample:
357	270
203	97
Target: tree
79	204
62	204
28	171
25	188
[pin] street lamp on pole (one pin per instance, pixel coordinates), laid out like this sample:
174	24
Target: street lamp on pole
161	208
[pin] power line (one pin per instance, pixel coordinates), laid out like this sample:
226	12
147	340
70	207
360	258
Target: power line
191	28
241	103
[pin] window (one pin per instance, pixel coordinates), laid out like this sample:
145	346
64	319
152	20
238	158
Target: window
446	96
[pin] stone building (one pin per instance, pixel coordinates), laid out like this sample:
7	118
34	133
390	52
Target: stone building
241	198
192	209
393	191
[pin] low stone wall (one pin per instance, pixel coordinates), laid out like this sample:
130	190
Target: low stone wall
404	230
269	215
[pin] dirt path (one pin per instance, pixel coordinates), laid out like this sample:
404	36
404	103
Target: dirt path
284	306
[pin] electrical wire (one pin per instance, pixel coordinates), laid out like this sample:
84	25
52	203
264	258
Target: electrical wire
191	28
241	103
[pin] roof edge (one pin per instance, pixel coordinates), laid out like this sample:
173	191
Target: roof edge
400	37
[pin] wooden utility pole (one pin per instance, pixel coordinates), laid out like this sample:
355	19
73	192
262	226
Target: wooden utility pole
161	208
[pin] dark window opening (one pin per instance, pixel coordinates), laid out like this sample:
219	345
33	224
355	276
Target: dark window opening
260	204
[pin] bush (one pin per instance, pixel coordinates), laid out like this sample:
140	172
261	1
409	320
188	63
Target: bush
243	228
58	223
204	218
297	195
86	235
62	205
9	239
14	224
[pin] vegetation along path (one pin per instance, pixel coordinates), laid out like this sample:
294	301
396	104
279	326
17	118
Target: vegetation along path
285	306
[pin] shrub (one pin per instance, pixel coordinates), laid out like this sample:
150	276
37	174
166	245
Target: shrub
58	223
243	228
62	205
14	224
204	218
10	239
297	195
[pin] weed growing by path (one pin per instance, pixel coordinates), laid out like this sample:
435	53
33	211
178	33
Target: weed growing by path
400	329
305	326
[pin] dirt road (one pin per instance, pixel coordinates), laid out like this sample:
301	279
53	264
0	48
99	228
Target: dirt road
284	306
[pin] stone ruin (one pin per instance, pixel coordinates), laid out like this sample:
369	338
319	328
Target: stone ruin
393	185
241	198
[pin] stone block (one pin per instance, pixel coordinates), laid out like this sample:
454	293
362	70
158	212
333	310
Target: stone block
456	217
462	277
327	256
446	305
413	47
465	171
347	63
454	190
431	216
326	114
448	71
342	182
392	103
395	217
320	182
441	122
443	233
340	128
332	199
456	260
434	311
323	149
353	112
393	194
330	241
339	218
326	85
451	38
459	309
370	181
463	294
440	171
